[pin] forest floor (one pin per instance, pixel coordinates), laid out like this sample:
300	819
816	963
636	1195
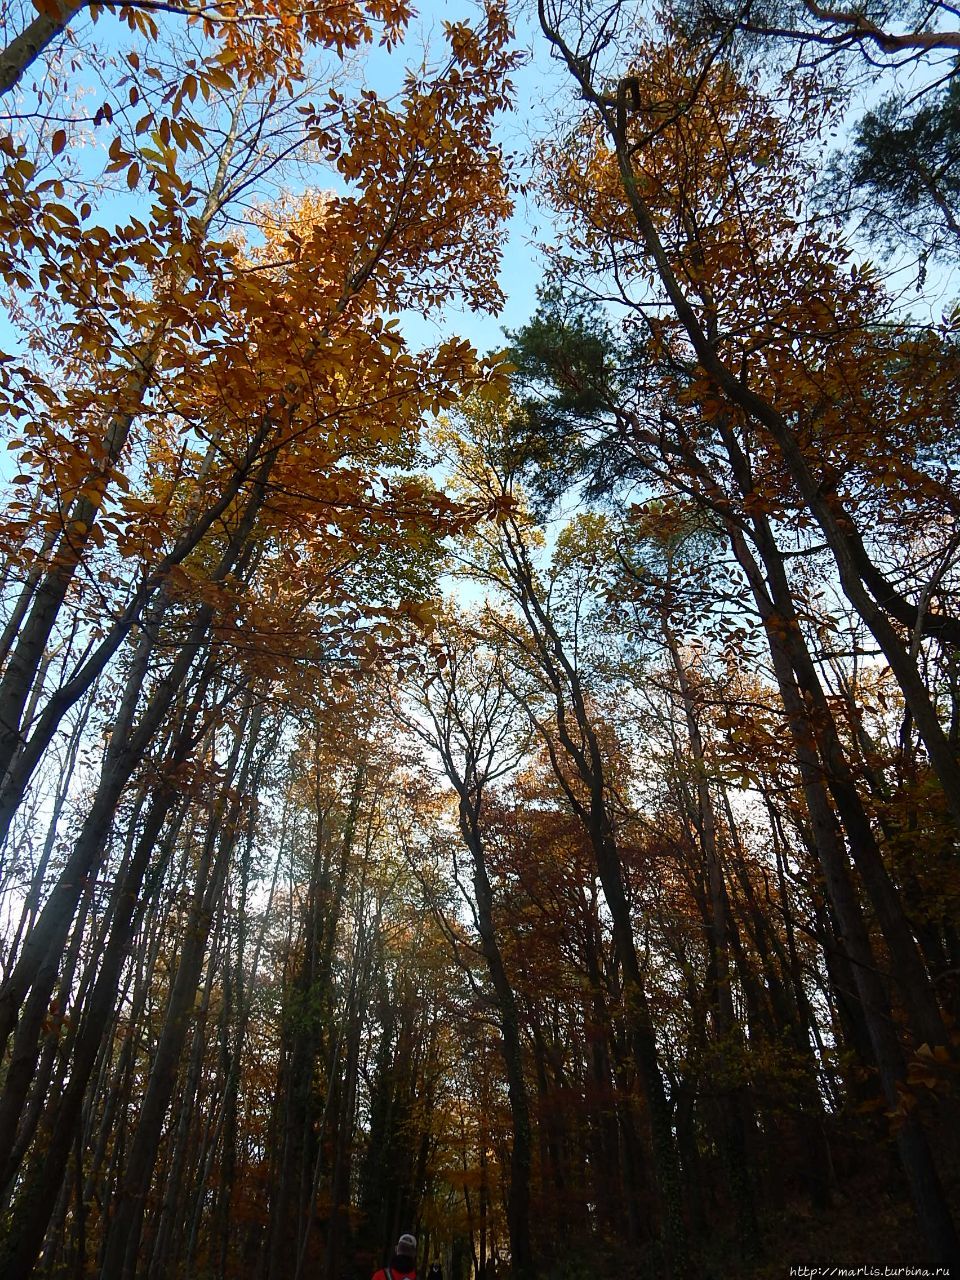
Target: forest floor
857	1231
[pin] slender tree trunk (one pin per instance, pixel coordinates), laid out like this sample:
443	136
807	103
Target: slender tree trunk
34	895
584	754
737	1116
915	1155
123	1235
170	1207
61	1121
48	583
518	1199
920	1001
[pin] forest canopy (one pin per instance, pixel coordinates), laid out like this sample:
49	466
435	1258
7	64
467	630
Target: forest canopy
508	797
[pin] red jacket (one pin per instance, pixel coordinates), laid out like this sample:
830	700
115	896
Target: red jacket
394	1273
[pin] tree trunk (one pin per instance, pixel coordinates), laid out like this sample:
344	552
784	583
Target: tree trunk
123	1234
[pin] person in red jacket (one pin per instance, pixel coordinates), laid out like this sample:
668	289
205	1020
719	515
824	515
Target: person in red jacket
403	1264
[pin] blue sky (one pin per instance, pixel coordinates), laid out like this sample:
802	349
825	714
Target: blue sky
522	269
381	70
